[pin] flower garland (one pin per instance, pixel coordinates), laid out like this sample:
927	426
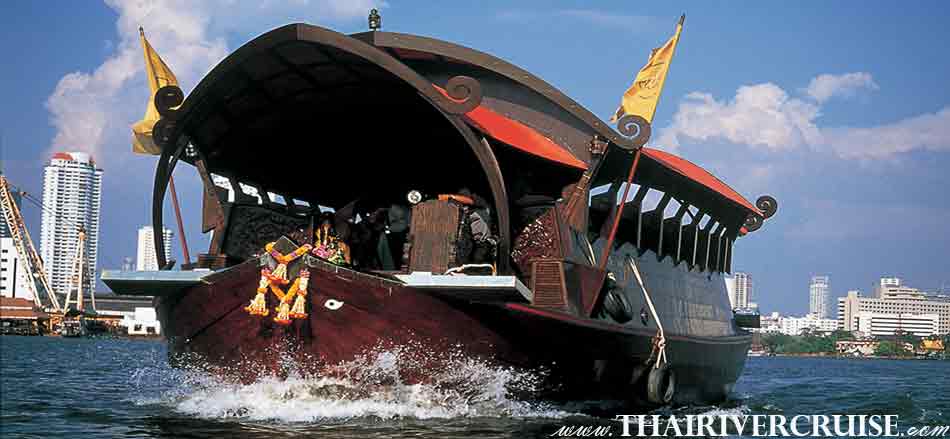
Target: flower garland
299	290
273	280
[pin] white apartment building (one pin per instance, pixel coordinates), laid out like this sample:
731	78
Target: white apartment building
13	274
893	301
878	324
742	291
72	197
146	259
797	325
818	292
787	325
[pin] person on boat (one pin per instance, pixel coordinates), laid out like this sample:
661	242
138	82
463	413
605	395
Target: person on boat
327	245
478	228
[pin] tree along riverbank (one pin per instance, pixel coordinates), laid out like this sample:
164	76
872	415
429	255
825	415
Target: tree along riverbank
844	343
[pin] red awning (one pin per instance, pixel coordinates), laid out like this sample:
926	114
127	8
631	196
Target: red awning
519	136
529	140
699	175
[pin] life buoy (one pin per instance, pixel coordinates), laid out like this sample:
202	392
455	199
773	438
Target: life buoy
617	306
661	384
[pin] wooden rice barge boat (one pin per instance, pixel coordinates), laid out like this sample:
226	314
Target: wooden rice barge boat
478	176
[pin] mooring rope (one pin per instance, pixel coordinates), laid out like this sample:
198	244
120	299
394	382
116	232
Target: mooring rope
659	341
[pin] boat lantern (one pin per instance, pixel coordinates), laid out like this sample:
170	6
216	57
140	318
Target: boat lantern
414	197
375	21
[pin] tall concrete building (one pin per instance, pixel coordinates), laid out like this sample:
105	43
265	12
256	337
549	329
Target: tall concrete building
72	197
818	293
741	294
146	259
13	274
902	304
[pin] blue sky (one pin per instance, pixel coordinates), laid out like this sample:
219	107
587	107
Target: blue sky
840	110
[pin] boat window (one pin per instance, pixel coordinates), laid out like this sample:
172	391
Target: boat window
671	208
300	202
224	183
250	191
276	198
693	211
704	221
651	200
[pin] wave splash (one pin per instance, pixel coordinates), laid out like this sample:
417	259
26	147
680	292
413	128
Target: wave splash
369	386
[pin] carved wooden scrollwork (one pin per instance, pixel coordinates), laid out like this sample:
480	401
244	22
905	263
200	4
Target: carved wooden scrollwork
753	222
251	227
636	129
166	100
465	93
768	205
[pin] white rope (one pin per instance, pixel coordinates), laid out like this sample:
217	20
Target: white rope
660	342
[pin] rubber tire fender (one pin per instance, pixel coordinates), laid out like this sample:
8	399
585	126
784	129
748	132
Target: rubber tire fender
661	384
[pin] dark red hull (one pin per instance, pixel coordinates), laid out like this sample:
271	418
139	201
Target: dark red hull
579	358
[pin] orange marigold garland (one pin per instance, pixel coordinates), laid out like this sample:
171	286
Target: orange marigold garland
280	273
274	279
258	305
298	311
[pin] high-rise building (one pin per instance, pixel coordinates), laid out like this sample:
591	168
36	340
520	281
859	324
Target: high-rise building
818	292
146	259
72	197
743	290
898	301
13	275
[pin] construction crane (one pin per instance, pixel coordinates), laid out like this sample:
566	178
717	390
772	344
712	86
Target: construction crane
80	267
31	261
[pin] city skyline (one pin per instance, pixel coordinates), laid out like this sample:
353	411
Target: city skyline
847	202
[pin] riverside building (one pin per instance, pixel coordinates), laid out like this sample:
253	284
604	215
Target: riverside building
818	291
739	287
72	196
878	324
893	300
13	276
145	257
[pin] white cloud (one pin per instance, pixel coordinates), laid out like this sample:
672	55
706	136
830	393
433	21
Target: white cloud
823	87
759	115
93	111
765	117
924	132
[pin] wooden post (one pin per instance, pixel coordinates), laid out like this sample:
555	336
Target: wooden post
181	227
619	212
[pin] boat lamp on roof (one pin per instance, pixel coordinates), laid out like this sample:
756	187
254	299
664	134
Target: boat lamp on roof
375	21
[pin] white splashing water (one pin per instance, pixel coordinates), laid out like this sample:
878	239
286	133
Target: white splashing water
368	386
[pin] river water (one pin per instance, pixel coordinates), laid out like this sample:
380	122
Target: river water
54	387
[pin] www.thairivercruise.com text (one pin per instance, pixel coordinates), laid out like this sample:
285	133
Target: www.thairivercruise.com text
754	426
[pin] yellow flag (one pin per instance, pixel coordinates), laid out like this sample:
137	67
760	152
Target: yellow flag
159	75
641	98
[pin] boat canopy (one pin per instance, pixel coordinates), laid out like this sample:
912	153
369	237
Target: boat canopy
325	118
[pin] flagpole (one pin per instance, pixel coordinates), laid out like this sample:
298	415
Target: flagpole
181	227
618	212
